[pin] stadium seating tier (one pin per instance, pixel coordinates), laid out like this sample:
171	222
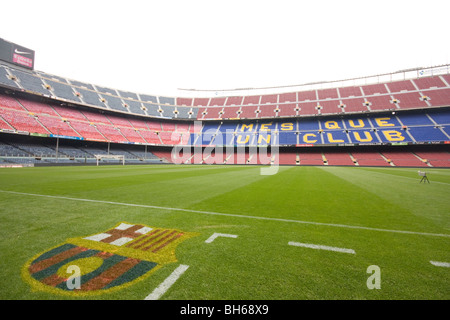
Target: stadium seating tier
414	111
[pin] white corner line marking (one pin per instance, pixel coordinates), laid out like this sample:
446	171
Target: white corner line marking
216	235
320	247
440	264
167	283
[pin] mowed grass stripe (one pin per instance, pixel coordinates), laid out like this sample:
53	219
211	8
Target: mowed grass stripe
169	186
407	201
333	195
328	196
232	215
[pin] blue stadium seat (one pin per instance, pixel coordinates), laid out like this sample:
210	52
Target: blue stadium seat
427	134
414	119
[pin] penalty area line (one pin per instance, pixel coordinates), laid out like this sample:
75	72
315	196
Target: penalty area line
321	247
167	283
232	215
440	264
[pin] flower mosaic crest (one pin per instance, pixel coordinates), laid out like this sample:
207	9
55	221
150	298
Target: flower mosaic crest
106	261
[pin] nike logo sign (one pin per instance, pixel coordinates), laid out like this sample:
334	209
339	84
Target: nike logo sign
21	52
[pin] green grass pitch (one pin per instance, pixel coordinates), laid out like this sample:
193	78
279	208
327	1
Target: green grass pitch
384	215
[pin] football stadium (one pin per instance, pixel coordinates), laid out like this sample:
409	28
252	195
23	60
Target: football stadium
335	190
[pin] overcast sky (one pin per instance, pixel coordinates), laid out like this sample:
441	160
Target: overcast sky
157	47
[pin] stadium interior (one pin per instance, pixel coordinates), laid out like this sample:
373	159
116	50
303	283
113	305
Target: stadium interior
50	120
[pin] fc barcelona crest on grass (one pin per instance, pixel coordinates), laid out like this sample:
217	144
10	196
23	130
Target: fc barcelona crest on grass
105	261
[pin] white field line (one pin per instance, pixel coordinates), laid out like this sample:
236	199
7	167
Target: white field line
232	215
440	264
216	235
321	247
167	283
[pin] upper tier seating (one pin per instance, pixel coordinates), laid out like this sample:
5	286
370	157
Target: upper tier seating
38	117
43	118
422	92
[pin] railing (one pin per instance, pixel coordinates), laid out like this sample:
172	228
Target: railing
413	73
